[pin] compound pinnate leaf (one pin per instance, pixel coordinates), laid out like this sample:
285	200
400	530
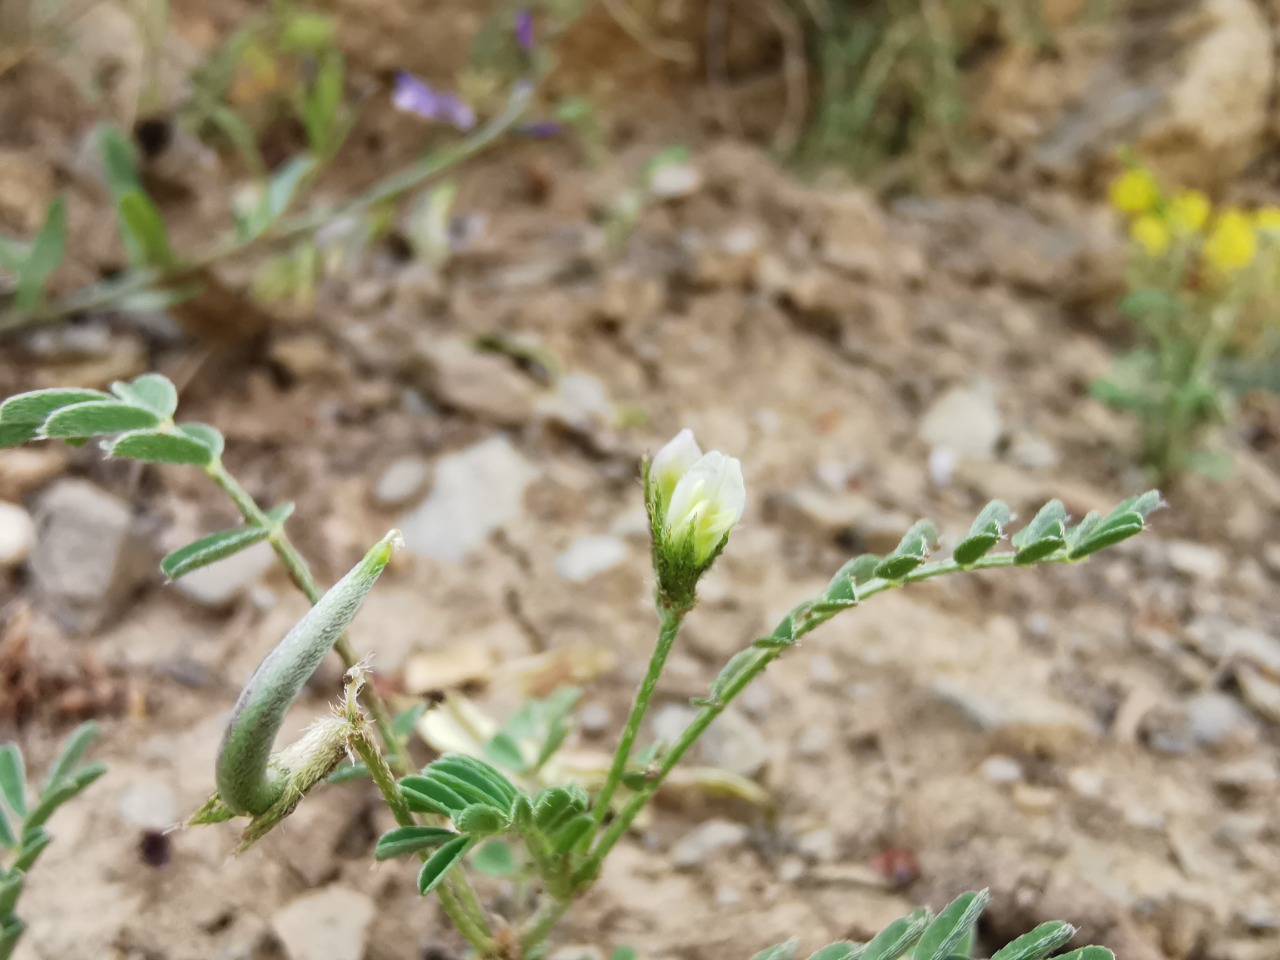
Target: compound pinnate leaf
780	951
13	779
428	795
406	840
211	549
96	419
150	446
206	434
152	391
890	942
1088	953
35	406
1037	944
951	926
64	790
840	950
441	862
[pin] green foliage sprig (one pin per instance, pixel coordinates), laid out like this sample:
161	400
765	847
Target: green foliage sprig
459	805
23	836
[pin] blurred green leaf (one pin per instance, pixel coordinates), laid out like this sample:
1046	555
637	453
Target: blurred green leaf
890	942
118	163
495	858
10	890
568	835
73	750
348	772
142	222
11	930
46	253
840	950
33	843
739	664
284	186
780	951
150	391
1088	953
8	838
13	779
503	749
441	862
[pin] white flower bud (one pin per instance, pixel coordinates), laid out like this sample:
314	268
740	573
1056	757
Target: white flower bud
706	503
671	463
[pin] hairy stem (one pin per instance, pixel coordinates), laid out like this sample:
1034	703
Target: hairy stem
668	629
108	292
765	655
543	921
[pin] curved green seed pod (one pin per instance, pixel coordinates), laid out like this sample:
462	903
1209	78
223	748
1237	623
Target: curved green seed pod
249	779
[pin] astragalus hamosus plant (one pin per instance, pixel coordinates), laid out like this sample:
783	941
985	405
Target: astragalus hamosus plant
450	812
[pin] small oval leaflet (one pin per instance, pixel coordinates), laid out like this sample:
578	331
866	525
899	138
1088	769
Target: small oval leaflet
840	950
567	837
13	779
1037	944
890	942
441	862
97	419
1088	953
480	819
406	840
427	795
206	434
150	446
152	391
211	549
469	791
478	773
495	859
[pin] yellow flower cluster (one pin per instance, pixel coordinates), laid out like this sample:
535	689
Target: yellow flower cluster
1228	238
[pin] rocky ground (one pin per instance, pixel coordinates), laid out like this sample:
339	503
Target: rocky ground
1097	743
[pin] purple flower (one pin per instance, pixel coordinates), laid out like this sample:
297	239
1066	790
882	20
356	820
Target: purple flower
542	129
524	28
415	96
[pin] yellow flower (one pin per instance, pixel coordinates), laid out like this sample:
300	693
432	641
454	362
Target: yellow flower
1232	243
1189	211
1134	191
1267	219
1150	233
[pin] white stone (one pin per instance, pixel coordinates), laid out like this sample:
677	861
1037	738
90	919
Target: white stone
476	492
329	924
965	421
588	557
149	805
715	835
401	481
17	535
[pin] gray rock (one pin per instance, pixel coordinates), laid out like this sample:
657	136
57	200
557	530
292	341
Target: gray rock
1001	769
89	555
222	583
1216	720
587	557
813	742
1020	717
17	536
148	805
594	718
329	924
817	845
694	848
674	181
1195	560
580	402
486	385
402	480
476	492
965	421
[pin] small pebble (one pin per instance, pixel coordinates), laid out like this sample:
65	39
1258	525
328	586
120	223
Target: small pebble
594	718
1000	769
402	480
813	742
790	869
17	535
1086	783
1033	800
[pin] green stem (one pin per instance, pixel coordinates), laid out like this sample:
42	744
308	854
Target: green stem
102	295
669	628
542	922
765	655
301	576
